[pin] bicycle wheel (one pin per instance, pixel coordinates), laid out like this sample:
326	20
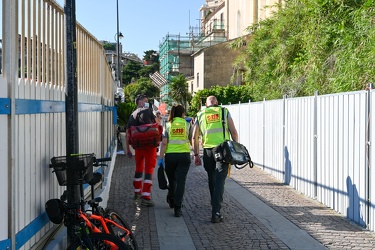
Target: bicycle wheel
127	237
98	241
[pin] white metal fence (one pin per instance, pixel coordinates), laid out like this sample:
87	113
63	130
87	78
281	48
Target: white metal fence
32	113
319	145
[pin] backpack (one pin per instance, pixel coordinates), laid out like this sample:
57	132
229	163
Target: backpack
145	136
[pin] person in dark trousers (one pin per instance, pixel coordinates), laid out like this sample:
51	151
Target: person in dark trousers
209	125
145	159
175	153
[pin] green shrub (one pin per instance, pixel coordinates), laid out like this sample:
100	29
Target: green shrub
124	110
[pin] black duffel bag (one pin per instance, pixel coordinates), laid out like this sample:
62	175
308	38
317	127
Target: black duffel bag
233	153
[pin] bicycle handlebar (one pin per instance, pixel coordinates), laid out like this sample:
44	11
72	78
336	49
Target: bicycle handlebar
102	159
97	161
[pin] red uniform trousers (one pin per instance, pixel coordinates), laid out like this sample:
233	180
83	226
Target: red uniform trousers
145	162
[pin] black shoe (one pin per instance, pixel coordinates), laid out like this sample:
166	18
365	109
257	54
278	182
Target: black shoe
137	196
177	212
217	217
170	202
147	203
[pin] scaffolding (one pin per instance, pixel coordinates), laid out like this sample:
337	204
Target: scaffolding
176	55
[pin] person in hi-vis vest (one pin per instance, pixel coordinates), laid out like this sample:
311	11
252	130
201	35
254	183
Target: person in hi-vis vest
209	125
175	153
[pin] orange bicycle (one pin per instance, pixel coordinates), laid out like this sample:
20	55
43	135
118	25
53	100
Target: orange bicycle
99	229
85	234
120	228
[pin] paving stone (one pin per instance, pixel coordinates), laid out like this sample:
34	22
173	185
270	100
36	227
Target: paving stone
240	229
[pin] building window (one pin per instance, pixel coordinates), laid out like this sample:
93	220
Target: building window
192	88
239	31
197	80
222	21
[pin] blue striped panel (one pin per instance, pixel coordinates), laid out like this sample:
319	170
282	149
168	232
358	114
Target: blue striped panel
30	230
5	106
5	244
25	106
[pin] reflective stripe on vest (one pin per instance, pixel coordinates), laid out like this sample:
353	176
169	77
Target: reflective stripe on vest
211	126
178	132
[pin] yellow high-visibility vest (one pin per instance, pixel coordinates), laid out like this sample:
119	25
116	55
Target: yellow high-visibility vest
178	132
211	126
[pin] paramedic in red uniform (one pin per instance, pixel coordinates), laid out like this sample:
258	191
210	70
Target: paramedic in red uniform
145	159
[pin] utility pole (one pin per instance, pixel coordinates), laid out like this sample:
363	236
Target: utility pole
71	104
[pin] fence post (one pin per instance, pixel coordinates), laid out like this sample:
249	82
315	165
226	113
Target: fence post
239	118
264	132
368	153
284	146
10	55
249	127
315	146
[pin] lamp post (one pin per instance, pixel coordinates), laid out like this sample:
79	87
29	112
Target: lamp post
118	35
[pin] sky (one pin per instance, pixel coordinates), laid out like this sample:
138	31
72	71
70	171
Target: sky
143	23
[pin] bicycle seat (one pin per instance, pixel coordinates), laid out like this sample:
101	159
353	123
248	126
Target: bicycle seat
96	178
95	201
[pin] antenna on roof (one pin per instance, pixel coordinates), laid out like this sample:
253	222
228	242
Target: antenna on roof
189	18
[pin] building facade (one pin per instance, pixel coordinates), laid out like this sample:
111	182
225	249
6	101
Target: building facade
230	18
204	57
213	66
111	56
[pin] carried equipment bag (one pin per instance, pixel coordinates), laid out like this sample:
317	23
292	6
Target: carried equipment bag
232	152
145	136
162	178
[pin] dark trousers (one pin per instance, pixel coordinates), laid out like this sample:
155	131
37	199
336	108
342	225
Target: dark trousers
177	166
217	173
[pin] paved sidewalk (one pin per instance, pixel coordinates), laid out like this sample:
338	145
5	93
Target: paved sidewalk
259	213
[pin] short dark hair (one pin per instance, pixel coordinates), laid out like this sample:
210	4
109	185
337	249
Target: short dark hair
139	97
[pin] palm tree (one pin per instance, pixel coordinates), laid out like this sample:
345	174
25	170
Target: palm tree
179	90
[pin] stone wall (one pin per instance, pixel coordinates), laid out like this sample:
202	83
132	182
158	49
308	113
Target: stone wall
218	68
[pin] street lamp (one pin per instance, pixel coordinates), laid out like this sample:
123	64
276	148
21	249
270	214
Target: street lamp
119	35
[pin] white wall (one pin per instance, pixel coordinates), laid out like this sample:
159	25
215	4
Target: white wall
242	14
198	70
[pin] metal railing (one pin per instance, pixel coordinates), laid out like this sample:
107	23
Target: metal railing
32	113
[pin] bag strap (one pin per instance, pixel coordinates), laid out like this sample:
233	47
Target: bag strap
138	119
148	113
223	121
